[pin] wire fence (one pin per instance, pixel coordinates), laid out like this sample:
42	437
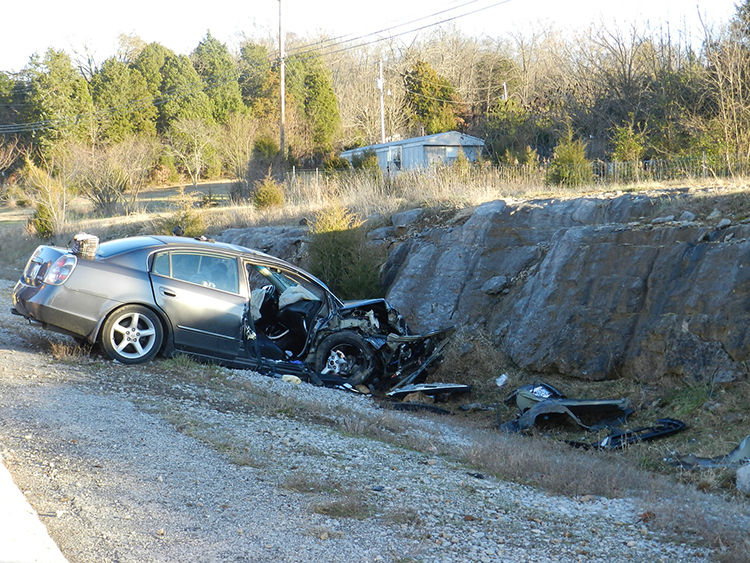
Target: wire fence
538	174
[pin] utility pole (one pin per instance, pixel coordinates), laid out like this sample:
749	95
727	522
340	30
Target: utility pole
381	84
282	114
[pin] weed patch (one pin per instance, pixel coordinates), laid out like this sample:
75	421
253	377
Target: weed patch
350	506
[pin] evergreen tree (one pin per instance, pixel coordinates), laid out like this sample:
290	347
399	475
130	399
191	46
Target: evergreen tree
431	99
58	98
149	63
220	75
569	166
311	92
183	93
259	85
7	108
124	104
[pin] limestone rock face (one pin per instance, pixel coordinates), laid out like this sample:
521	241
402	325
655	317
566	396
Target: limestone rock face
743	479
593	287
589	288
289	243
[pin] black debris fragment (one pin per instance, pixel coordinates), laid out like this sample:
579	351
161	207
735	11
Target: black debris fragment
431	389
541	404
737	457
620	438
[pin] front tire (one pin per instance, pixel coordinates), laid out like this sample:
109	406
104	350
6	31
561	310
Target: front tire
132	335
359	362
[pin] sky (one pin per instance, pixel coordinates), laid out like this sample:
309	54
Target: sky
81	26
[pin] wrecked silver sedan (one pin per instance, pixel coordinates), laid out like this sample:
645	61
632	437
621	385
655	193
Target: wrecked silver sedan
142	296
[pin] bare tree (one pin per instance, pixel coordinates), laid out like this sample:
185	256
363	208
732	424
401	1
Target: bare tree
189	140
112	177
236	142
354	78
729	70
48	187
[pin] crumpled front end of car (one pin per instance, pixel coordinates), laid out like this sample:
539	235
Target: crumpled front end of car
404	357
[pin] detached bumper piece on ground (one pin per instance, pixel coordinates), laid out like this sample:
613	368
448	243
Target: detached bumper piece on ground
736	458
541	404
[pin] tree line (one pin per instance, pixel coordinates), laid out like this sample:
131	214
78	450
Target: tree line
147	114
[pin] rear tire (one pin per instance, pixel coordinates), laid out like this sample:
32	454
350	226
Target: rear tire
360	366
132	335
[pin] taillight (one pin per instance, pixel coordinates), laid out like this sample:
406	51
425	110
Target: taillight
60	270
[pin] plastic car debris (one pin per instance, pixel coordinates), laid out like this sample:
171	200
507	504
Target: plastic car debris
737	457
527	396
416	407
542	403
470	407
431	389
620	438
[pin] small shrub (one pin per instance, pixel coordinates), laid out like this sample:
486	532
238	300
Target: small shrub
165	171
186	216
266	161
340	257
42	222
268	193
629	144
336	163
368	160
569	166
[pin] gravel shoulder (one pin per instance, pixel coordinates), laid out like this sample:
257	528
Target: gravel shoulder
129	464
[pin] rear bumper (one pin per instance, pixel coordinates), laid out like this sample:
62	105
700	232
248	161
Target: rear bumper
55	307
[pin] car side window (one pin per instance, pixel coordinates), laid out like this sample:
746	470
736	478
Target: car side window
216	272
219	273
161	264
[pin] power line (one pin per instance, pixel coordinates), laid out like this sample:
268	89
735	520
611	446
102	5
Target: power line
340	39
408	31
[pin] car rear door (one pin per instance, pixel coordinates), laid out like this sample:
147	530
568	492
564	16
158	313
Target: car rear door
200	293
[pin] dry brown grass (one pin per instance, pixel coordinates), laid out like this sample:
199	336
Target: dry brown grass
66	351
365	196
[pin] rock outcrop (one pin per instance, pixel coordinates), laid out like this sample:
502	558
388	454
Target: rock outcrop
285	242
591	287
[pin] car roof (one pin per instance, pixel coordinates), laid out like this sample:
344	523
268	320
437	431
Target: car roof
119	246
